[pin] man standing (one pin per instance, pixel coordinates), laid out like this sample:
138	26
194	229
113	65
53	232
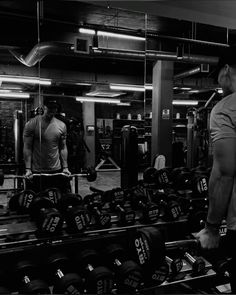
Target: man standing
222	183
45	149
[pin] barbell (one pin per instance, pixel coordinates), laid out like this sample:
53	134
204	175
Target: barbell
89	173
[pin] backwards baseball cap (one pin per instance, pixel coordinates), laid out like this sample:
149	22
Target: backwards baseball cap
227	57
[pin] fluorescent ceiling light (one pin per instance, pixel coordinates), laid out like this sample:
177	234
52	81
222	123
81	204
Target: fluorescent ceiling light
24	79
148	87
110	34
124	104
5	90
104	93
185	102
83	84
97	99
185	88
14	94
123	36
127	87
194	91
87	31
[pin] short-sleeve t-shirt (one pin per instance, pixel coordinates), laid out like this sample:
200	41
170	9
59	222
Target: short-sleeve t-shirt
46	143
223	125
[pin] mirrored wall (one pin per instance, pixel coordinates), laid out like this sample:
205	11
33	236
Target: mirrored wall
90	60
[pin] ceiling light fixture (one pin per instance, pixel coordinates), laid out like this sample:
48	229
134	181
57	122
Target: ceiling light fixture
185	102
87	31
124	104
148	86
24	79
122	36
97	99
127	87
194	91
110	34
185	88
83	84
14	95
104	93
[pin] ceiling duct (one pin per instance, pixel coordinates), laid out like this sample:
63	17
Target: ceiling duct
39	51
103	90
187	73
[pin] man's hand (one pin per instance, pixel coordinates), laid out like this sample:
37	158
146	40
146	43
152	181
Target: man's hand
209	239
66	171
29	174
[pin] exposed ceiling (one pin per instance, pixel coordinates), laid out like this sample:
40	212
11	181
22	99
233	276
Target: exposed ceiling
26	24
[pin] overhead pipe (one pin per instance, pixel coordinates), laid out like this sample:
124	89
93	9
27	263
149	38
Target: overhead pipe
187	40
155	55
40	50
152	34
187	73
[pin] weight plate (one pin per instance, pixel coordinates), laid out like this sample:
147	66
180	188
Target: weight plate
149	246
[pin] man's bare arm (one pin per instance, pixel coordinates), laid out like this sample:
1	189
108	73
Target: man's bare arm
221	179
27	151
63	153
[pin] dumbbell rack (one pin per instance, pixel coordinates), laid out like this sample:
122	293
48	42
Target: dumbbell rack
11	244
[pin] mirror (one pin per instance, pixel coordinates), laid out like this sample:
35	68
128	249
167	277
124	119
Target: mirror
16	99
178	65
94	57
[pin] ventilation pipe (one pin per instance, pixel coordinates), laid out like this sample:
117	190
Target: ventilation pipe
39	51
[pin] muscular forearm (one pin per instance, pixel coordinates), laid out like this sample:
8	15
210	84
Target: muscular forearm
220	188
64	155
27	157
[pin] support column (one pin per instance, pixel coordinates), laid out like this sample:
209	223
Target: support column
89	137
162	97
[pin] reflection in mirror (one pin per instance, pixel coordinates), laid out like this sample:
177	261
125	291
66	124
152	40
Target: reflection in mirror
178	64
80	53
16	83
94	56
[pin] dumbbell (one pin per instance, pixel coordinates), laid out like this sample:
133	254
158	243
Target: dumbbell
21	201
222	267
53	194
175	264
98	279
94	205
170	208
76	216
155	275
150	211
149	252
27	277
159	177
116	199
126	216
65	282
48	219
128	273
197	263
196	219
182	180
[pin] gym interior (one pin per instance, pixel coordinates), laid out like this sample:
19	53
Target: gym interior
135	87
